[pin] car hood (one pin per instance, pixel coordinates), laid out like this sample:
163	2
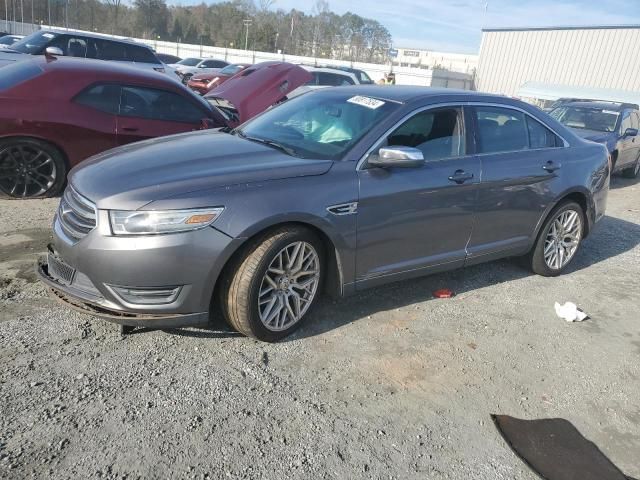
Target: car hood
593	135
256	88
130	177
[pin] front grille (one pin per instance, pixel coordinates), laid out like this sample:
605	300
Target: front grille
77	214
59	270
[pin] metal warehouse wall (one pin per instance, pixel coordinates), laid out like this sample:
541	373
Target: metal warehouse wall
599	57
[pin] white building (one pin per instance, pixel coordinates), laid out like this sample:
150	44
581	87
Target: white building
574	60
455	62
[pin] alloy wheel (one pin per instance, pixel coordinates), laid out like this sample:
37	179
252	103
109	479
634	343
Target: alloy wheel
289	286
26	171
562	240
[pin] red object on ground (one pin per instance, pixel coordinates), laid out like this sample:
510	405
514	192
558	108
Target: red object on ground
443	293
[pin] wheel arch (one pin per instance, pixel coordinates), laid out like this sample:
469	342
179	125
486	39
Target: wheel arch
55	145
334	275
579	195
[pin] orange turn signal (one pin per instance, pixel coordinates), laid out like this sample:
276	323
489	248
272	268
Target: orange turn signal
204	218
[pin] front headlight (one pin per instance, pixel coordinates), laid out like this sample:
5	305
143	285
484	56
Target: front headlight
124	222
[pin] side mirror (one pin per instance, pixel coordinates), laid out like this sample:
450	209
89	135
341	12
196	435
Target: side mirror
630	132
398	157
53	52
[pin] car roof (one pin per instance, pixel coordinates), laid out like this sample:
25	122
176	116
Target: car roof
105	69
96	35
411	93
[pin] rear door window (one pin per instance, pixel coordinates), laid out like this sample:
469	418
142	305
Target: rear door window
501	130
136	53
154	104
334	79
540	136
437	133
105	98
106	50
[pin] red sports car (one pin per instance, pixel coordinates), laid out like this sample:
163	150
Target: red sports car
204	82
56	112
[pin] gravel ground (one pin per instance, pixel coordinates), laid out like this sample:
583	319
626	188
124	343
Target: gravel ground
387	384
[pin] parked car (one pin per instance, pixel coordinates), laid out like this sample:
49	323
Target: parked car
323	77
615	125
168	59
337	190
8	40
204	82
82	45
56	113
186	62
211	65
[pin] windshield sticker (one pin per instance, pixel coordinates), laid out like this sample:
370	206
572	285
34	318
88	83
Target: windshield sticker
368	102
610	112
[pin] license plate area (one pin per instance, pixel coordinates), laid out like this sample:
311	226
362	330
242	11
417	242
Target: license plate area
59	270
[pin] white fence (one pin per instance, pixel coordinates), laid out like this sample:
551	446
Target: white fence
17	28
404	75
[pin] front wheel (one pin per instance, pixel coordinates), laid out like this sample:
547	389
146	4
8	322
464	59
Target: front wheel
559	240
30	168
273	285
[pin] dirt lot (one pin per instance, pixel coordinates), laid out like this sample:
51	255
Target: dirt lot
388	384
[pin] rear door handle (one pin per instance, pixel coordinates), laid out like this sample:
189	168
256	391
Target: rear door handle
460	176
130	129
550	166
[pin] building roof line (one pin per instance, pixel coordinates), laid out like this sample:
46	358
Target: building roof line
568	27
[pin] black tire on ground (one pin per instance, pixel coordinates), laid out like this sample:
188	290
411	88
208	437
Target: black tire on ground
633	170
536	256
19	158
241	283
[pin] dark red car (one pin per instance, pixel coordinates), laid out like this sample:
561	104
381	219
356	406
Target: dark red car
56	112
203	82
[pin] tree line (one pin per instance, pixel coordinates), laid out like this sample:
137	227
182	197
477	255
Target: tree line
233	24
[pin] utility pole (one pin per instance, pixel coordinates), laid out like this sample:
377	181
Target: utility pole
246	22
275	45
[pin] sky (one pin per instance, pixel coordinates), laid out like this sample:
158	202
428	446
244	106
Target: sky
454	26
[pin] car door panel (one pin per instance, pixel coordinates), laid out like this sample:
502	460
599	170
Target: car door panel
516	189
412	220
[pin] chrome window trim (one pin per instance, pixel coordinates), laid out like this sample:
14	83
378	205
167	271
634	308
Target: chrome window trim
363	159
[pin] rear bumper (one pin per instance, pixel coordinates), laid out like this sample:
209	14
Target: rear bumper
97	306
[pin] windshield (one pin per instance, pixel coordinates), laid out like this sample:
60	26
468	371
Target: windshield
586	118
34	43
230	69
190	62
321	125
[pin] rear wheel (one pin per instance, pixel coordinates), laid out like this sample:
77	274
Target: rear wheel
30	168
633	170
559	240
272	287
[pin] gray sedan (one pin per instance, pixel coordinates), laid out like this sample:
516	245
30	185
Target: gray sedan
337	190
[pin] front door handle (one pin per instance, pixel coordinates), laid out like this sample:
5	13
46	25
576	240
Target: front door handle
550	166
460	176
130	129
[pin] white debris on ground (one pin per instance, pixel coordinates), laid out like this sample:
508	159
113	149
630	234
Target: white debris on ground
570	312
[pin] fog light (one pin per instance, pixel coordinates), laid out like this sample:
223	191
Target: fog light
147	295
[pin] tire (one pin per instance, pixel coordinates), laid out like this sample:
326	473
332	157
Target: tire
633	170
553	266
30	168
251	313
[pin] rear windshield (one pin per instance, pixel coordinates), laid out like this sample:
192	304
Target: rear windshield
17	73
34	43
587	118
